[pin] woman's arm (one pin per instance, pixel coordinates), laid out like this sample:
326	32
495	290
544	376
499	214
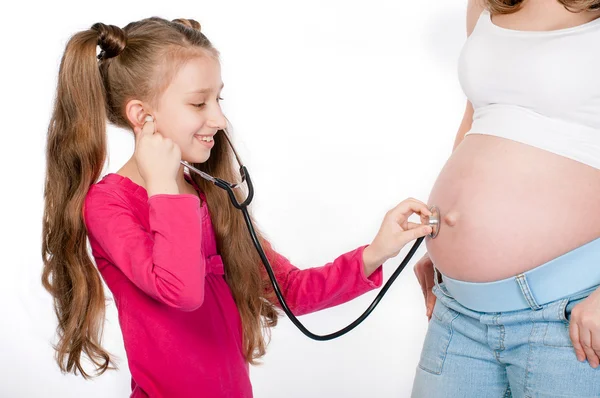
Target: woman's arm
465	125
474	10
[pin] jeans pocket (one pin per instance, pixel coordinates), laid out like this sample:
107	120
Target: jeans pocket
573	300
557	331
437	339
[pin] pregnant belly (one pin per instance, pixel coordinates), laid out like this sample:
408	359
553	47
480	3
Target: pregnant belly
508	207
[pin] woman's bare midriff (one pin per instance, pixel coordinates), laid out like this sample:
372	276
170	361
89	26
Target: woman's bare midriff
508	207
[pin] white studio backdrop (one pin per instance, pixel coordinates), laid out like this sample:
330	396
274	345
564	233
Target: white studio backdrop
340	109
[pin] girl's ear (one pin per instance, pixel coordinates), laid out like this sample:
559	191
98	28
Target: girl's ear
136	113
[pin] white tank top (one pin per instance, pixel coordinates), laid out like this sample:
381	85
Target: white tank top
538	88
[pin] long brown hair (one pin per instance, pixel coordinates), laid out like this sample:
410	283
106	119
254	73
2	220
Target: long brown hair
510	6
136	62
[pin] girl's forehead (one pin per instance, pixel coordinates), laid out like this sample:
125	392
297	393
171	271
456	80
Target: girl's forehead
200	74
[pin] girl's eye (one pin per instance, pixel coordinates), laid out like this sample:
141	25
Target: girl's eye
202	104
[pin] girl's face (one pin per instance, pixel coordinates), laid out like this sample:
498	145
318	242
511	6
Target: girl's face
189	112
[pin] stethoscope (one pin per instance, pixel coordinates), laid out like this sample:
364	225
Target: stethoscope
434	222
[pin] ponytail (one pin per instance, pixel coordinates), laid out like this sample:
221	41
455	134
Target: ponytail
75	155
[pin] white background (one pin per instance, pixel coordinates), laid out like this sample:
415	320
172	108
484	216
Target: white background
341	109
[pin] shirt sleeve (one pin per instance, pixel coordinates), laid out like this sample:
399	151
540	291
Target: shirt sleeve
317	288
166	261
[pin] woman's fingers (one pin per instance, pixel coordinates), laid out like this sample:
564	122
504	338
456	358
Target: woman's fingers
425	275
574	334
585	337
430	303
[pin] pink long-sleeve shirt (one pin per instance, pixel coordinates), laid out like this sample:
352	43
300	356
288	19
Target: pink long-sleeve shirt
181	328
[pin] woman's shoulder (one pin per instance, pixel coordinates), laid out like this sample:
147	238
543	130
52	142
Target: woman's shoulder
475	9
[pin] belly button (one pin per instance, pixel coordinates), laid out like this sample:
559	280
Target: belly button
451	218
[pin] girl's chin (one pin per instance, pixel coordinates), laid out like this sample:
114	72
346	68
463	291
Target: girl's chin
197	158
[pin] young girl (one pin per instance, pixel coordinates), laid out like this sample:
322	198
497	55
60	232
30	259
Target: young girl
518	309
191	293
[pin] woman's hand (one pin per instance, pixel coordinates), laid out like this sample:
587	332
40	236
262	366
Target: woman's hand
584	329
395	232
425	275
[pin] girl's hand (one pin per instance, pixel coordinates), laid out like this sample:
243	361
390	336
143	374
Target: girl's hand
395	232
584	329
425	275
157	159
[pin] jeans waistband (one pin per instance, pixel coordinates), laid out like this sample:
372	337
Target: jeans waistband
574	271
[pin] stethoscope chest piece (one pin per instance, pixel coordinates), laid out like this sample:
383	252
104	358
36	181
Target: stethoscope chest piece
434	221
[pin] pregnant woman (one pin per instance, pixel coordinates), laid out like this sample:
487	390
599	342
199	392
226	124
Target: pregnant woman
516	265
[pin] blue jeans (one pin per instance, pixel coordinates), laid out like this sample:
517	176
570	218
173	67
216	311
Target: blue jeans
523	353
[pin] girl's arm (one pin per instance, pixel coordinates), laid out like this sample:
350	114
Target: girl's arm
314	289
348	276
167	262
